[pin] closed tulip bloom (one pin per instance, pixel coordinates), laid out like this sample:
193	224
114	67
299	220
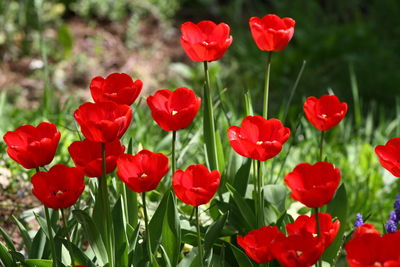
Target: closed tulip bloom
365	229
258	138
58	188
389	156
304	223
174	110
205	41
313	185
370	250
271	33
299	250
142	172
103	122
117	87
31	146
258	243
87	155
324	112
196	185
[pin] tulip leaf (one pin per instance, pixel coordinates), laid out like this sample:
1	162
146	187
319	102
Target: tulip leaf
165	257
245	210
5	257
121	239
171	231
79	256
133	235
337	208
24	233
7	239
220	152
39	263
92	234
240	257
276	195
214	231
38	247
131	201
248	104
242	178
157	221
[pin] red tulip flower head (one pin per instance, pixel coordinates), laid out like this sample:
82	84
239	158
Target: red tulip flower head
313	185
103	122
306	224
324	112
258	243
117	87
365	229
174	110
389	156
374	250
87	155
299	250
31	146
205	41
196	185
271	33
60	187
142	172
258	138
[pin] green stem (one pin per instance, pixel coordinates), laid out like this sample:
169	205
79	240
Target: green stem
68	236
211	147
316	211
260	196
106	207
51	238
200	246
321	145
146	223
266	85
173	164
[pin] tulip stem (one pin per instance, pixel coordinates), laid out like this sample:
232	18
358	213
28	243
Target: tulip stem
146	223
51	238
106	208
68	236
200	246
173	164
316	211
266	85
321	145
260	208
209	123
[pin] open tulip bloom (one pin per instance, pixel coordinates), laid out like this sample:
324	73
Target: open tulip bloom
389	156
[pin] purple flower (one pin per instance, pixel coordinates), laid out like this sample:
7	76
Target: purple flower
390	226
359	220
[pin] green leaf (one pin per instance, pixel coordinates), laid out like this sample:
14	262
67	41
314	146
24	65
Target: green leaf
240	257
39	263
24	233
65	39
242	178
121	239
92	234
131	197
245	210
171	231
220	152
337	208
214	232
5	257
38	247
80	258
165	257
248	104
276	195
157	221
7	239
133	235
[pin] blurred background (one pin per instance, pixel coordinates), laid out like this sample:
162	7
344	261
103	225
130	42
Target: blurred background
51	49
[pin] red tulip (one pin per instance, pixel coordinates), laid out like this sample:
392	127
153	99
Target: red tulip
307	224
389	156
31	146
313	185
258	138
117	87
103	122
142	172
272	33
299	250
87	155
325	112
205	41
369	250
258	243
174	110
196	185
58	188
365	229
